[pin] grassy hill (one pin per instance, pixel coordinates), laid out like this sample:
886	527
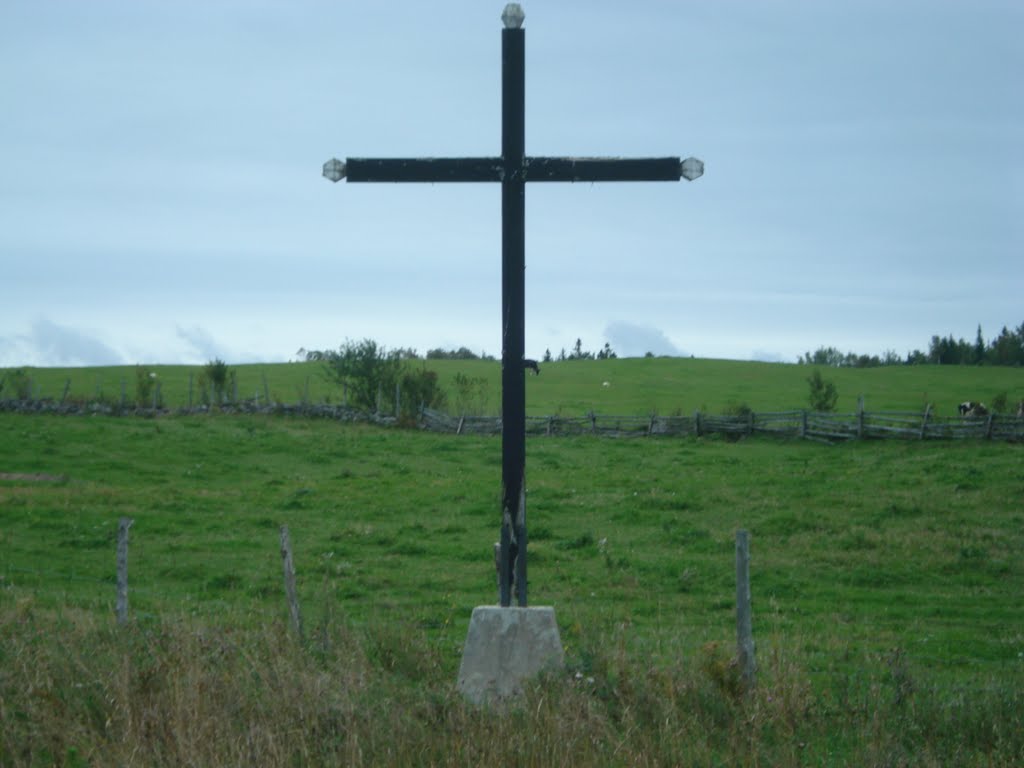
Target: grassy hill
885	580
637	386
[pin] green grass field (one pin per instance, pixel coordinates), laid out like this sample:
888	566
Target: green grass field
886	584
575	387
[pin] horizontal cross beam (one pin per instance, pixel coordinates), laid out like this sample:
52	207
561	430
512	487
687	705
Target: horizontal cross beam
433	170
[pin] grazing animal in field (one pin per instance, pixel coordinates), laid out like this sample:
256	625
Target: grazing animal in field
971	408
531	365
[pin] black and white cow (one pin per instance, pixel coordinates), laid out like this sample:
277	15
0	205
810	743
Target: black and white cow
971	408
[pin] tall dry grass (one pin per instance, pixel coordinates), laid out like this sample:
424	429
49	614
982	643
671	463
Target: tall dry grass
76	690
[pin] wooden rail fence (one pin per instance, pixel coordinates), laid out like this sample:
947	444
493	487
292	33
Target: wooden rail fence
810	425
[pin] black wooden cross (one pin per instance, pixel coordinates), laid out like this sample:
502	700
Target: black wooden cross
513	169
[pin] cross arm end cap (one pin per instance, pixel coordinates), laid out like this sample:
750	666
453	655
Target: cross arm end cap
691	168
513	16
334	169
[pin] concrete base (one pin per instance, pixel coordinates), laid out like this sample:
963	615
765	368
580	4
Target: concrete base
504	647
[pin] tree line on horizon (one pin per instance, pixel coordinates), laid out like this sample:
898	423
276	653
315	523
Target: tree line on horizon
1005	349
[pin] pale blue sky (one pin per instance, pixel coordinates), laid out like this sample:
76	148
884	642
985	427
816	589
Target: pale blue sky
161	198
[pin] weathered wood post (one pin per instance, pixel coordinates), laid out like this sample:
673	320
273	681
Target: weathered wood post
122	569
67	386
860	416
744	630
289	581
924	421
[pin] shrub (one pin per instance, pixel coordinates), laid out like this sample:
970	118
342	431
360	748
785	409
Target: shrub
420	387
823	394
364	369
216	381
145	381
16	383
471	395
1000	403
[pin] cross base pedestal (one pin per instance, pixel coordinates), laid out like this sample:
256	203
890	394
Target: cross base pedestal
506	646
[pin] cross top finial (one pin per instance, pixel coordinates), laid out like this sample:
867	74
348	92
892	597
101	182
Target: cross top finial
513	16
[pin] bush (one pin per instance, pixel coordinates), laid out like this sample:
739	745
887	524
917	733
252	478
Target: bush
145	382
364	369
216	382
16	384
471	395
823	395
420	388
1000	403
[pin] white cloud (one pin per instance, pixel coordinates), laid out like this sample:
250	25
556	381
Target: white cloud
51	344
202	343
631	340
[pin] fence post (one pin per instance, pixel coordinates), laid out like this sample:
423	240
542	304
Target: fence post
696	422
124	392
398	399
266	390
860	416
190	378
803	423
122	569
924	421
744	631
289	581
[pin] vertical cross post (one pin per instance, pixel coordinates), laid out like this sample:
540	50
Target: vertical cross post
512	169
513	301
